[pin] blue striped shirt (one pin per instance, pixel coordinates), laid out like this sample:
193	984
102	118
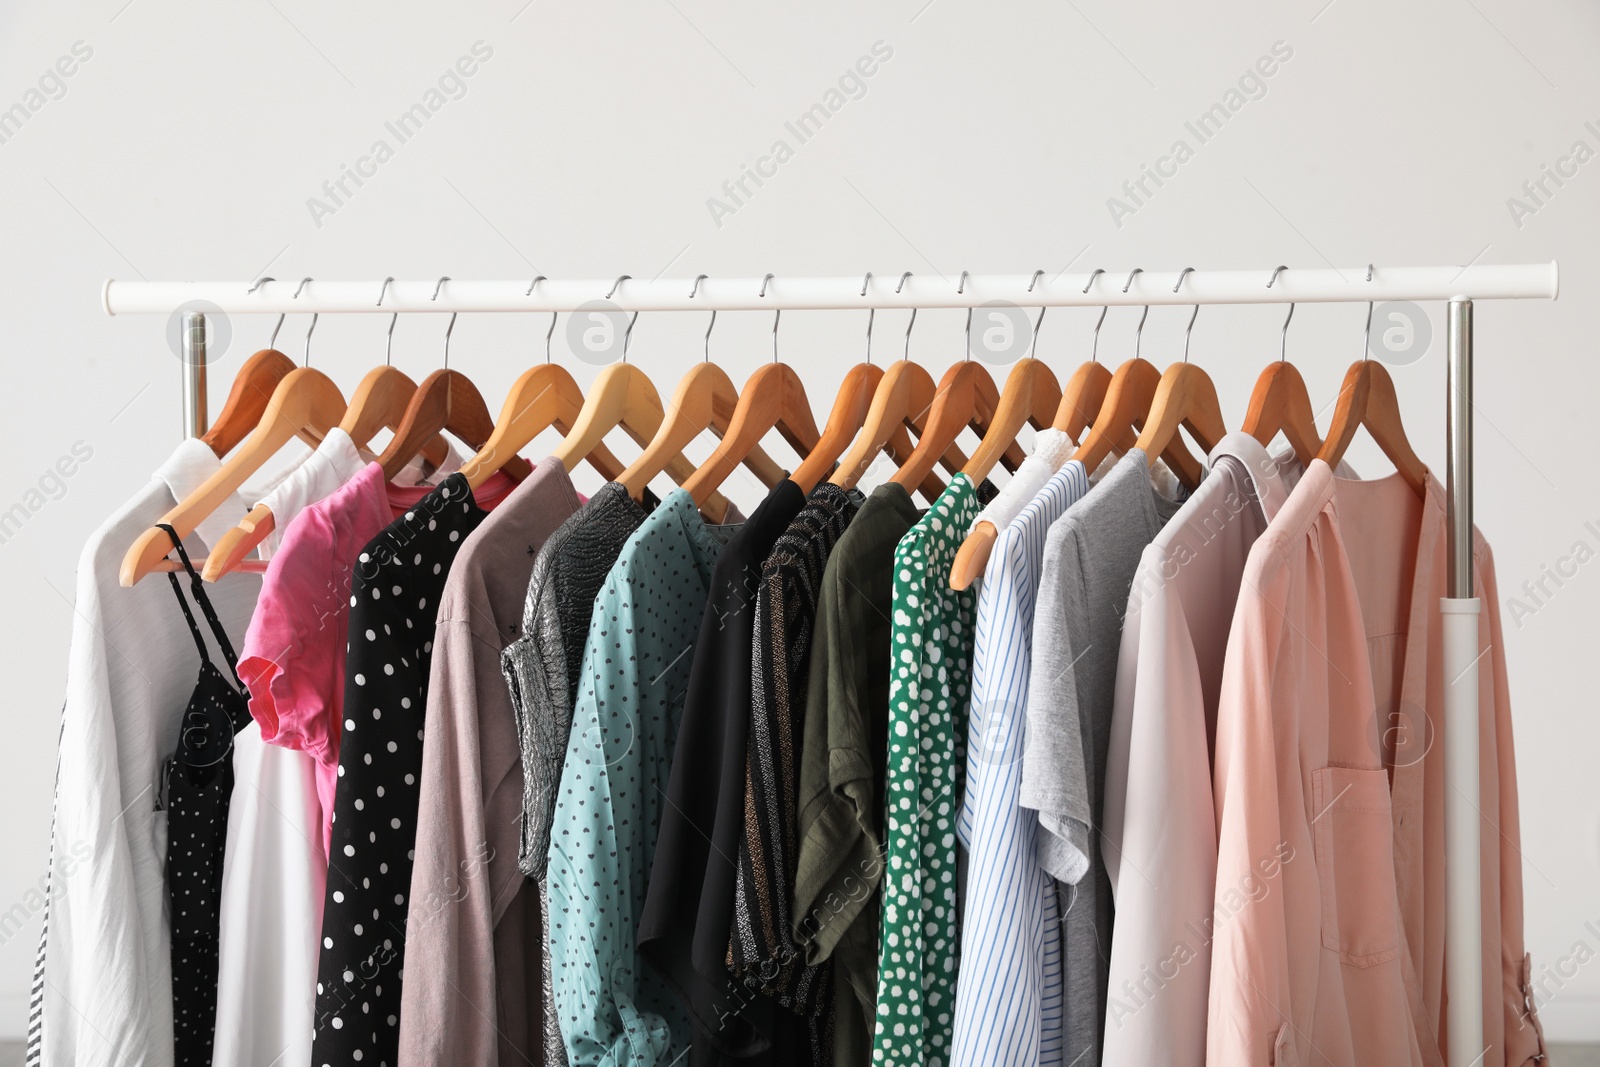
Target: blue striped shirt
1009	992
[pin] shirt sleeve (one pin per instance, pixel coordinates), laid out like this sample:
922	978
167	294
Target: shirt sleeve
1249	1002
289	660
839	863
1054	771
594	960
448	1000
1160	834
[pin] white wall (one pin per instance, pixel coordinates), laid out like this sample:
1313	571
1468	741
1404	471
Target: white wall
187	145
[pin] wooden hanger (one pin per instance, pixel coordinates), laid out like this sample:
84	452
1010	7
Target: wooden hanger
705	398
1126	406
849	413
446	401
1185	397
902	400
967	396
621	395
306	404
379	402
1367	398
1030	395
545	395
772	398
1081	399
1280	402
247	400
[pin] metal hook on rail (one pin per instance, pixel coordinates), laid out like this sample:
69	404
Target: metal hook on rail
1138	333
960	289
1033	342
448	330
1283	338
710	325
264	279
627	334
906	354
776	315
872	313
313	326
388	345
1192	316
1366	344
554	317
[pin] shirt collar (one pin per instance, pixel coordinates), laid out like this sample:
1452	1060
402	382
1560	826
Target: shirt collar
190	464
1260	466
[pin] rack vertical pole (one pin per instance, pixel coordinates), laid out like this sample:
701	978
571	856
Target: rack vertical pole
193	348
1462	817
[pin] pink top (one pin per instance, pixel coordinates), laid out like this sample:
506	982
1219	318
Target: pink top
293	656
1329	790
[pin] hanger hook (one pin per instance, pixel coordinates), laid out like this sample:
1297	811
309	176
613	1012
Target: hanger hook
1192	316
554	315
1094	353
264	279
1138	333
775	317
1283	340
448	330
388	346
967	352
307	358
1097	272
712	323
872	313
627	334
907	353
1366	345
1182	275
1136	272
1033	345
618	284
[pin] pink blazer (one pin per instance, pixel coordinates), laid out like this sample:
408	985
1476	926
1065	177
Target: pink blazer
1329	787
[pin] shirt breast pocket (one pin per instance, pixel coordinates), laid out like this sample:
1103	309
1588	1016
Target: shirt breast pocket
1354	842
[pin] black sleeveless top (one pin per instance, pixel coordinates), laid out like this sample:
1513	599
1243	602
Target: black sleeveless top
199	785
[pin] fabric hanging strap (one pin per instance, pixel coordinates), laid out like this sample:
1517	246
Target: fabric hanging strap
197	588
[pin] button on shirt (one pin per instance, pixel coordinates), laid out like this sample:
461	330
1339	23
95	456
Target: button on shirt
1008	1001
1160	834
1089	561
615	1009
931	669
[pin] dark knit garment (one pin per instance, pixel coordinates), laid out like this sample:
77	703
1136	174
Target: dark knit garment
762	949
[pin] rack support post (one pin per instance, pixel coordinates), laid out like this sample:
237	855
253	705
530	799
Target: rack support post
193	355
1463	856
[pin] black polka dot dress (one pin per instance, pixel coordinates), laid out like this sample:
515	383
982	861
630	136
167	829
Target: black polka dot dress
395	588
199	786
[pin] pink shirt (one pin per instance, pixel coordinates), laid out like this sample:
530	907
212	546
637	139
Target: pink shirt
1329	792
293	656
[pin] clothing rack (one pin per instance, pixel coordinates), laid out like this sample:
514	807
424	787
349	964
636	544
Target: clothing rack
1460	287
